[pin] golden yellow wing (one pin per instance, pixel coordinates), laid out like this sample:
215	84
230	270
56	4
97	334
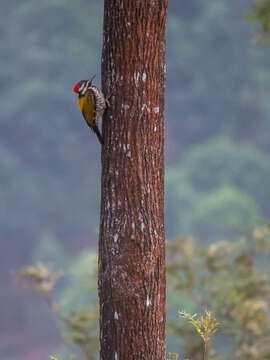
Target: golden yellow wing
87	105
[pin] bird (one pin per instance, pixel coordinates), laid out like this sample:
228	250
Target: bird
92	103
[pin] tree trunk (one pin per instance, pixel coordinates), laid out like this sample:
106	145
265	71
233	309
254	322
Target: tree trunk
131	243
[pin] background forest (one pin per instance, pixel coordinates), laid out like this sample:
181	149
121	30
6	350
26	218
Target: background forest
217	145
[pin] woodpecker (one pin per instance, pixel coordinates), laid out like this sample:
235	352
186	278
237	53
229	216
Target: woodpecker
92	103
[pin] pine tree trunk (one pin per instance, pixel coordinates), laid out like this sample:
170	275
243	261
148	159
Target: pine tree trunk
131	244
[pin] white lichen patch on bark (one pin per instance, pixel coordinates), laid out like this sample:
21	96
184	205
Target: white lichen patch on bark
143	77
125	106
144	107
136	77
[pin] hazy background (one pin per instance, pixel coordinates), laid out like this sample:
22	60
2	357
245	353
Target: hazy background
217	140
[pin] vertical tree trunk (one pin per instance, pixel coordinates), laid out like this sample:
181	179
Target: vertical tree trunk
131	244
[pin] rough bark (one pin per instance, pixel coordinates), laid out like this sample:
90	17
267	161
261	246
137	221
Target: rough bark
131	243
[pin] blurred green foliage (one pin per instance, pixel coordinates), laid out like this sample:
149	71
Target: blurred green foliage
231	279
260	13
208	194
218	83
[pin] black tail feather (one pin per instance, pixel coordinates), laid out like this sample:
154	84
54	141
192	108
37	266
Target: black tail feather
99	136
